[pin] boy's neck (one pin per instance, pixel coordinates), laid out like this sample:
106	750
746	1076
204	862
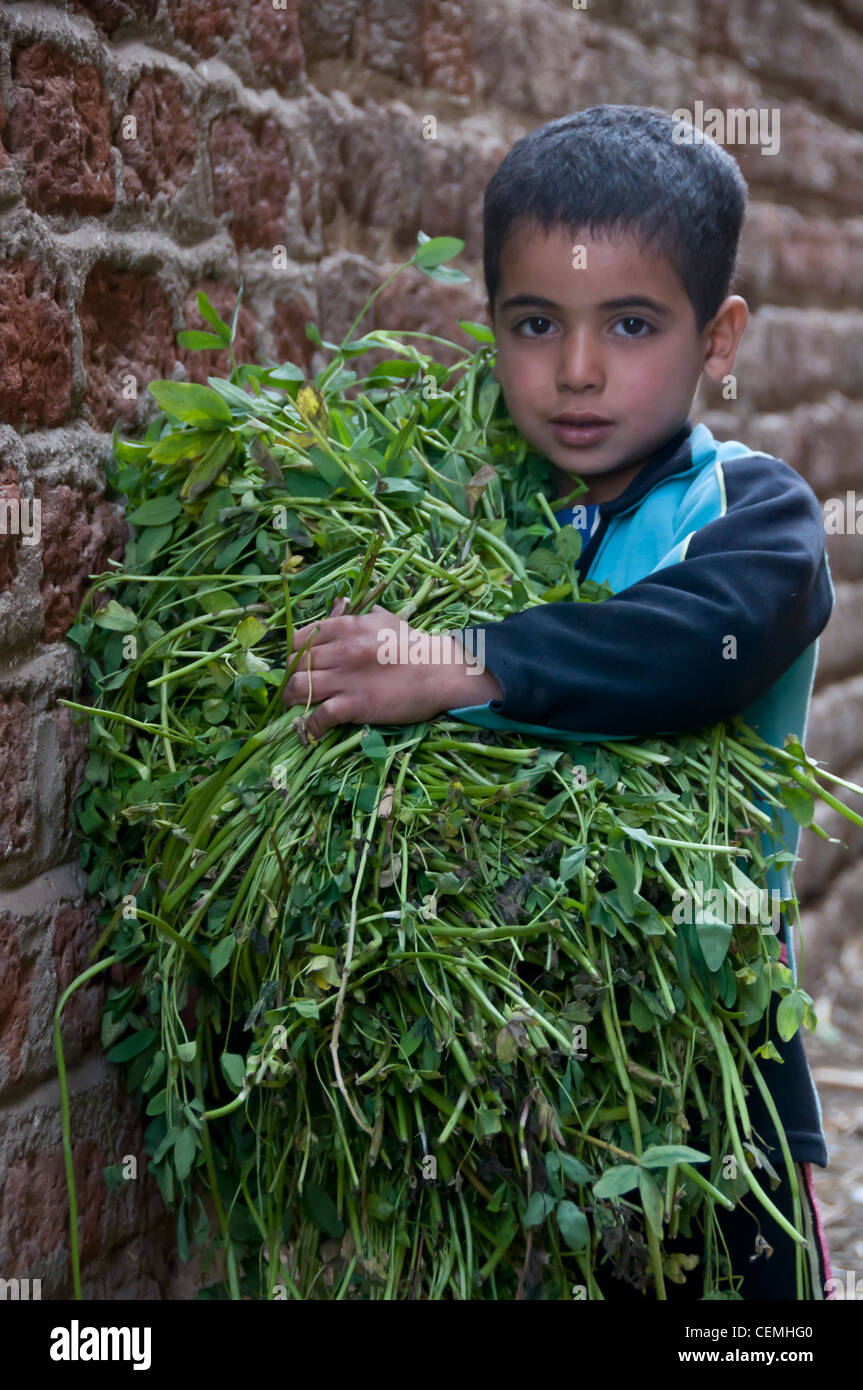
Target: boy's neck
607	487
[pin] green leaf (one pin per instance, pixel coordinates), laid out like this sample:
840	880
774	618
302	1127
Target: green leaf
664	1155
480	331
233	1068
615	1181
573	1225
373	745
187	401
799	803
116	618
196	340
209	314
555	806
187	1051
538	1208
651	1202
249	631
575	1170
184	1153
571	861
155	512
622	870
433	251
322	1210
790	1014
714	938
567	543
207	469
133	1045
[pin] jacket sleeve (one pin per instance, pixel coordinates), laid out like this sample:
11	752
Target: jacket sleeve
658	657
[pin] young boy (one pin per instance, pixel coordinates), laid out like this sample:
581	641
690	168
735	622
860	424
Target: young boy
610	245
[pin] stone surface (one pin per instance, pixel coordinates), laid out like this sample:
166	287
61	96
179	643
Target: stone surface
274	43
251	179
111	14
59	132
162	154
80	532
127	331
35	346
201	23
16	793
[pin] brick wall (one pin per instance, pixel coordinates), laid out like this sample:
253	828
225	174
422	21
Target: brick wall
151	149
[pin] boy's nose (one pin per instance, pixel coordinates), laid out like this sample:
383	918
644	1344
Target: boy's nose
580	363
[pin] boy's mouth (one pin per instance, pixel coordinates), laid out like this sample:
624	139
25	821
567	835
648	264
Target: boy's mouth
580	427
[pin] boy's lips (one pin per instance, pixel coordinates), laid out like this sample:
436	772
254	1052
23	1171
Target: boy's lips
580	427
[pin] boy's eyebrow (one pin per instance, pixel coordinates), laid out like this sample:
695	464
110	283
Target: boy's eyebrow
629	301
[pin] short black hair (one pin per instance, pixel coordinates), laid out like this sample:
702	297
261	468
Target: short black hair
619	169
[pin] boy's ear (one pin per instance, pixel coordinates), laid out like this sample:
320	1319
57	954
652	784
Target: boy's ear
722	336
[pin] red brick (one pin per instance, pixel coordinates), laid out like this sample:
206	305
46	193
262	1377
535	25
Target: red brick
80	532
290	317
327	28
59	131
201	23
274	43
9	543
447	46
75	930
251	179
14	998
127	328
4	158
200	365
16	797
35	346
162	156
110	14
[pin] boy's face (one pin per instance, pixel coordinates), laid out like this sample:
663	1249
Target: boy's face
615	339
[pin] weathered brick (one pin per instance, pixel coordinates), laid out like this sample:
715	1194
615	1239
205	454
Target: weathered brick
202	24
788	258
327	28
200	365
110	14
391	39
251	179
162	155
127	330
4	158
16	790
74	933
15	976
770	39
446	40
10	542
274	44
59	132
80	532
35	346
290	317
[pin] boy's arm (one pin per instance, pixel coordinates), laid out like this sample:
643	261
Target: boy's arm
657	657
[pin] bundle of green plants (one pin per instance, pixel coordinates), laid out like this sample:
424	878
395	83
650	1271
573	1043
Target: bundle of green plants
407	1008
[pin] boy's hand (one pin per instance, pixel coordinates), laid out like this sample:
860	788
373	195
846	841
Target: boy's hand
351	685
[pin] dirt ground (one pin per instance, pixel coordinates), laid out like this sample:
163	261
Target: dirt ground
835	1053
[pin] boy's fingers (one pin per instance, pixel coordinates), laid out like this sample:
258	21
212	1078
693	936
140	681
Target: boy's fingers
328	715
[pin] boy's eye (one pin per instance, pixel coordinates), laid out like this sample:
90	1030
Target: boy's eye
534	319
638	323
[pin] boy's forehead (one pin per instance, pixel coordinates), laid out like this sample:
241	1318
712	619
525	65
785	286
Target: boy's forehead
534	260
